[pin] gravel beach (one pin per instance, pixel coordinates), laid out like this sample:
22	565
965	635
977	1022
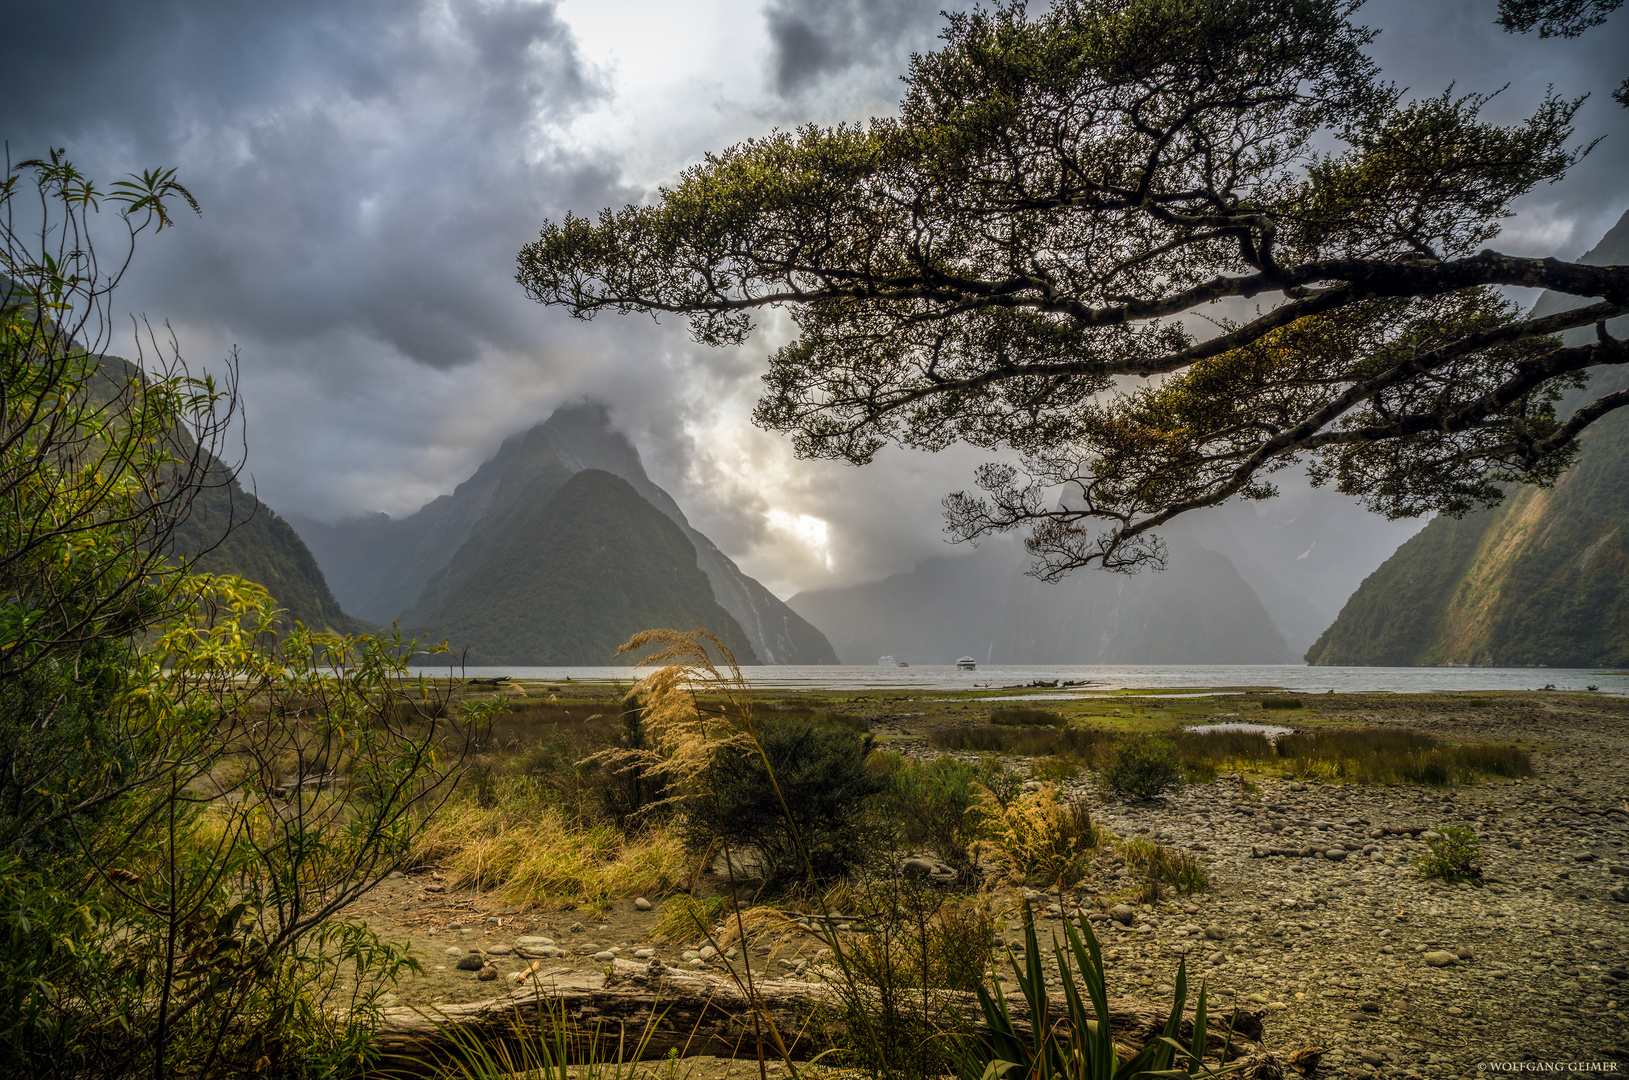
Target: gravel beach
1350	950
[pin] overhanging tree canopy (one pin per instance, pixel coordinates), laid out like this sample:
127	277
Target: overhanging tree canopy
1070	200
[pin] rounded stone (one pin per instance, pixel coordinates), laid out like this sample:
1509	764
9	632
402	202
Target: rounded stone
1440	958
642	904
472	962
454	951
533	942
500	949
1122	914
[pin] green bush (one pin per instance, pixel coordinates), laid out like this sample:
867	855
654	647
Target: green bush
936	805
1141	768
1281	703
821	772
1455	855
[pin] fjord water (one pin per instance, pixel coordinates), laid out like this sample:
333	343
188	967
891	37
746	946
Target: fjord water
1298	678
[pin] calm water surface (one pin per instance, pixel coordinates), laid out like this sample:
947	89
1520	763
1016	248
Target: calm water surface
1096	678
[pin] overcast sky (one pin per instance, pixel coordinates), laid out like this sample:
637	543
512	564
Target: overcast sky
368	169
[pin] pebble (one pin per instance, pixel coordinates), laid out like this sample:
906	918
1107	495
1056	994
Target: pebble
641	904
1440	958
472	962
1122	914
605	955
499	949
454	951
533	942
644	954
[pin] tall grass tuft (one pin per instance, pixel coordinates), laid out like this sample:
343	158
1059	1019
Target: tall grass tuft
1160	867
531	849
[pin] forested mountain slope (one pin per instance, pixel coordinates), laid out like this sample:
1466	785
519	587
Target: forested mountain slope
230	531
579	574
1542	578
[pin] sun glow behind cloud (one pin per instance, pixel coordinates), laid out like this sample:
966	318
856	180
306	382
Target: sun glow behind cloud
806	529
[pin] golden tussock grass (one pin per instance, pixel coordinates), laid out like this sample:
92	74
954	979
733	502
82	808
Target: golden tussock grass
532	851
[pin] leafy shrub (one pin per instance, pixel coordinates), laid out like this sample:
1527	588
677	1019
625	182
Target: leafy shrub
920	940
1455	855
1083	1044
1282	703
820	770
1046	841
1141	768
937	806
1020	716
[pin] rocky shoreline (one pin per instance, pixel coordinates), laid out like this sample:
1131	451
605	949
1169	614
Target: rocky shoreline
1357	954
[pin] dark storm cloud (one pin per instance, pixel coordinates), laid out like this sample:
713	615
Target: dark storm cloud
814	39
366	166
1428	46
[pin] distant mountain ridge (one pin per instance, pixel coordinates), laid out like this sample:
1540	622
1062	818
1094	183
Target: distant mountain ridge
1200	611
417	569
1540	579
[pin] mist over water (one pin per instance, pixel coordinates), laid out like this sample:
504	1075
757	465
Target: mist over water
1297	678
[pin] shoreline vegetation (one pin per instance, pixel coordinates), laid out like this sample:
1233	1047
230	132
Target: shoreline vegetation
1116	817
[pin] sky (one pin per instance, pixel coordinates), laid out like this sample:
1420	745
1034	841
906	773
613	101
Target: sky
368	169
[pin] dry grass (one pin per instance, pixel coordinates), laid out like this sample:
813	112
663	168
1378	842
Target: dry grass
1044	839
530	849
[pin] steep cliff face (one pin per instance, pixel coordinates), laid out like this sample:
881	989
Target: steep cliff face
230	531
414	568
1200	611
572	577
240	535
1542	578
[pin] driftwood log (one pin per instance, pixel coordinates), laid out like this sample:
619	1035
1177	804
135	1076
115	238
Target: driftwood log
639	1011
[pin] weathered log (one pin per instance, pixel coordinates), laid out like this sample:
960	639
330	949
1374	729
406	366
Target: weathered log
641	1012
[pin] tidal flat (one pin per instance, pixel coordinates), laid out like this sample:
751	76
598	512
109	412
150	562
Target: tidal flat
1349	948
